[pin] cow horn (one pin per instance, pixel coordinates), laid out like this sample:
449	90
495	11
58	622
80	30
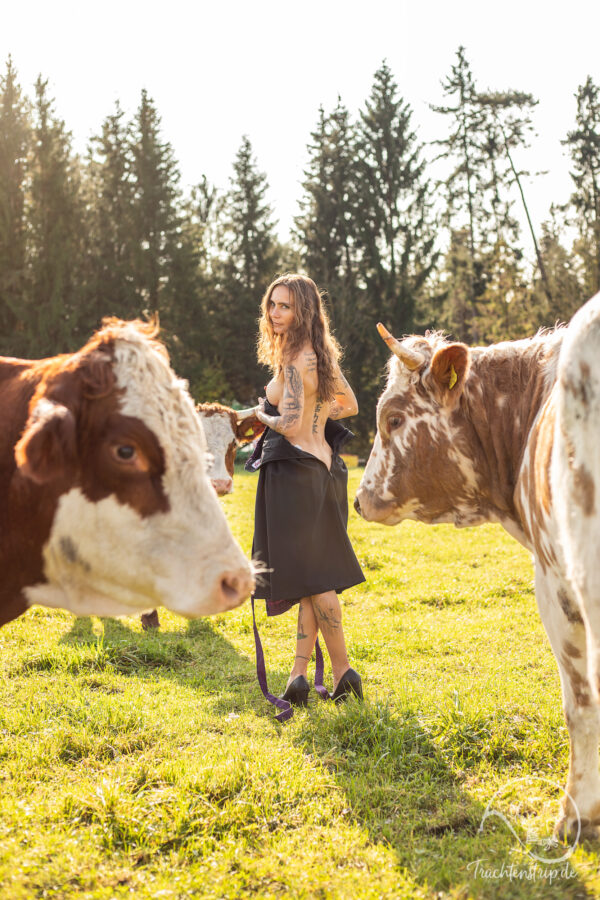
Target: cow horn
243	414
412	359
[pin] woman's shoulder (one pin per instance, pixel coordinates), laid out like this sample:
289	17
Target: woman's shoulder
305	359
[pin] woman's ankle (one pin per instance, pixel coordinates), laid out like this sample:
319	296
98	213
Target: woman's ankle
339	672
300	667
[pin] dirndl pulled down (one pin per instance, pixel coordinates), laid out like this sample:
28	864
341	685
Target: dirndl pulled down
301	517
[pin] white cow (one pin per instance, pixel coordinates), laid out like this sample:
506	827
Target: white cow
510	433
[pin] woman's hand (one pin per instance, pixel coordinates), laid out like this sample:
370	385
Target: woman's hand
259	411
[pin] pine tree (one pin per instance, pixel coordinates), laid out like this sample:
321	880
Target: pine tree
192	339
485	130
327	229
464	183
584	147
325	225
395	222
110	180
249	261
506	126
563	270
56	247
156	196
15	138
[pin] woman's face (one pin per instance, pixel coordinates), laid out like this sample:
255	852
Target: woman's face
280	309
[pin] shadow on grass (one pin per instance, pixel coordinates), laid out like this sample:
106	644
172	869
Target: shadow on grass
407	791
201	659
402	780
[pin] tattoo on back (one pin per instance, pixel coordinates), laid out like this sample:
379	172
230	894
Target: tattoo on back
292	397
311	361
318	408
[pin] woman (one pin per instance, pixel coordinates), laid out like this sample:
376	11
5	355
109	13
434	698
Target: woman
301	501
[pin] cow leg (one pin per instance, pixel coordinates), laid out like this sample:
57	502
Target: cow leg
150	620
576	470
566	632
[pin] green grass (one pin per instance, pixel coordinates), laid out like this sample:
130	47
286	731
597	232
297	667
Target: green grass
149	765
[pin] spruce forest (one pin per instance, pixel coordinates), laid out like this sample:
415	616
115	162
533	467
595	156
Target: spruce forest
114	233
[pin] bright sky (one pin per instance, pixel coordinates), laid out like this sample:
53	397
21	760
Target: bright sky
219	70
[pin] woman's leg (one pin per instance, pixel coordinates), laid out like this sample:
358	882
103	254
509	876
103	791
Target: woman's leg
328	616
306	636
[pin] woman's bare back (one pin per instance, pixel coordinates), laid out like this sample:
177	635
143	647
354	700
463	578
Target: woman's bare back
302	414
303	382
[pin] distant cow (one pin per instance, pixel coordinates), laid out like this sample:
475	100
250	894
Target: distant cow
225	429
511	434
105	504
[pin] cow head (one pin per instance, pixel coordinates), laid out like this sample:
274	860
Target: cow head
225	430
113	436
420	466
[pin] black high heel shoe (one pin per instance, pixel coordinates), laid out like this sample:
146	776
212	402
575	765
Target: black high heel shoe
349	683
297	692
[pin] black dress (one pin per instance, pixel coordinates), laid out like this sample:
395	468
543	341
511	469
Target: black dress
301	518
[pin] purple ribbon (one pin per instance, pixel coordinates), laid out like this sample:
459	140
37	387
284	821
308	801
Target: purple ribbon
261	673
319	668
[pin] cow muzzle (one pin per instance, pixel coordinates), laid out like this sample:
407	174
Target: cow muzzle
232	589
370	508
222	486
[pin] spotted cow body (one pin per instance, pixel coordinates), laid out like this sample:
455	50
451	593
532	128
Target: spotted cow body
509	433
105	503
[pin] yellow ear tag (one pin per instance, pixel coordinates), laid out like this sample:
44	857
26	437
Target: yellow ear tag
249	432
453	378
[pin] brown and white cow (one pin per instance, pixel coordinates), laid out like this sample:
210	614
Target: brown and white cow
106	507
510	433
225	429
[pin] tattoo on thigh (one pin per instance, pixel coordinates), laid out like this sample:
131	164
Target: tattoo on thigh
328	617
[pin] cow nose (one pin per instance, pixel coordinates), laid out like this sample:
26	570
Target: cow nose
222	485
234	588
357	505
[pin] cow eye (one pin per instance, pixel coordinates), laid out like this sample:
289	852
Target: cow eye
395	422
125	452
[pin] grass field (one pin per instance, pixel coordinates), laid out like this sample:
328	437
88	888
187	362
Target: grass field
149	765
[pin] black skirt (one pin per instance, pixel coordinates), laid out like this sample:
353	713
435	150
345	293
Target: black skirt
301	517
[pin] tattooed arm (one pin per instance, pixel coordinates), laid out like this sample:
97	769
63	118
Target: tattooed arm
344	402
291	406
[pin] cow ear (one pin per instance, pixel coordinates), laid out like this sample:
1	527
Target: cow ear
248	429
449	369
47	449
97	374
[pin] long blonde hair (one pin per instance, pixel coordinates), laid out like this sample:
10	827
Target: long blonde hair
311	325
